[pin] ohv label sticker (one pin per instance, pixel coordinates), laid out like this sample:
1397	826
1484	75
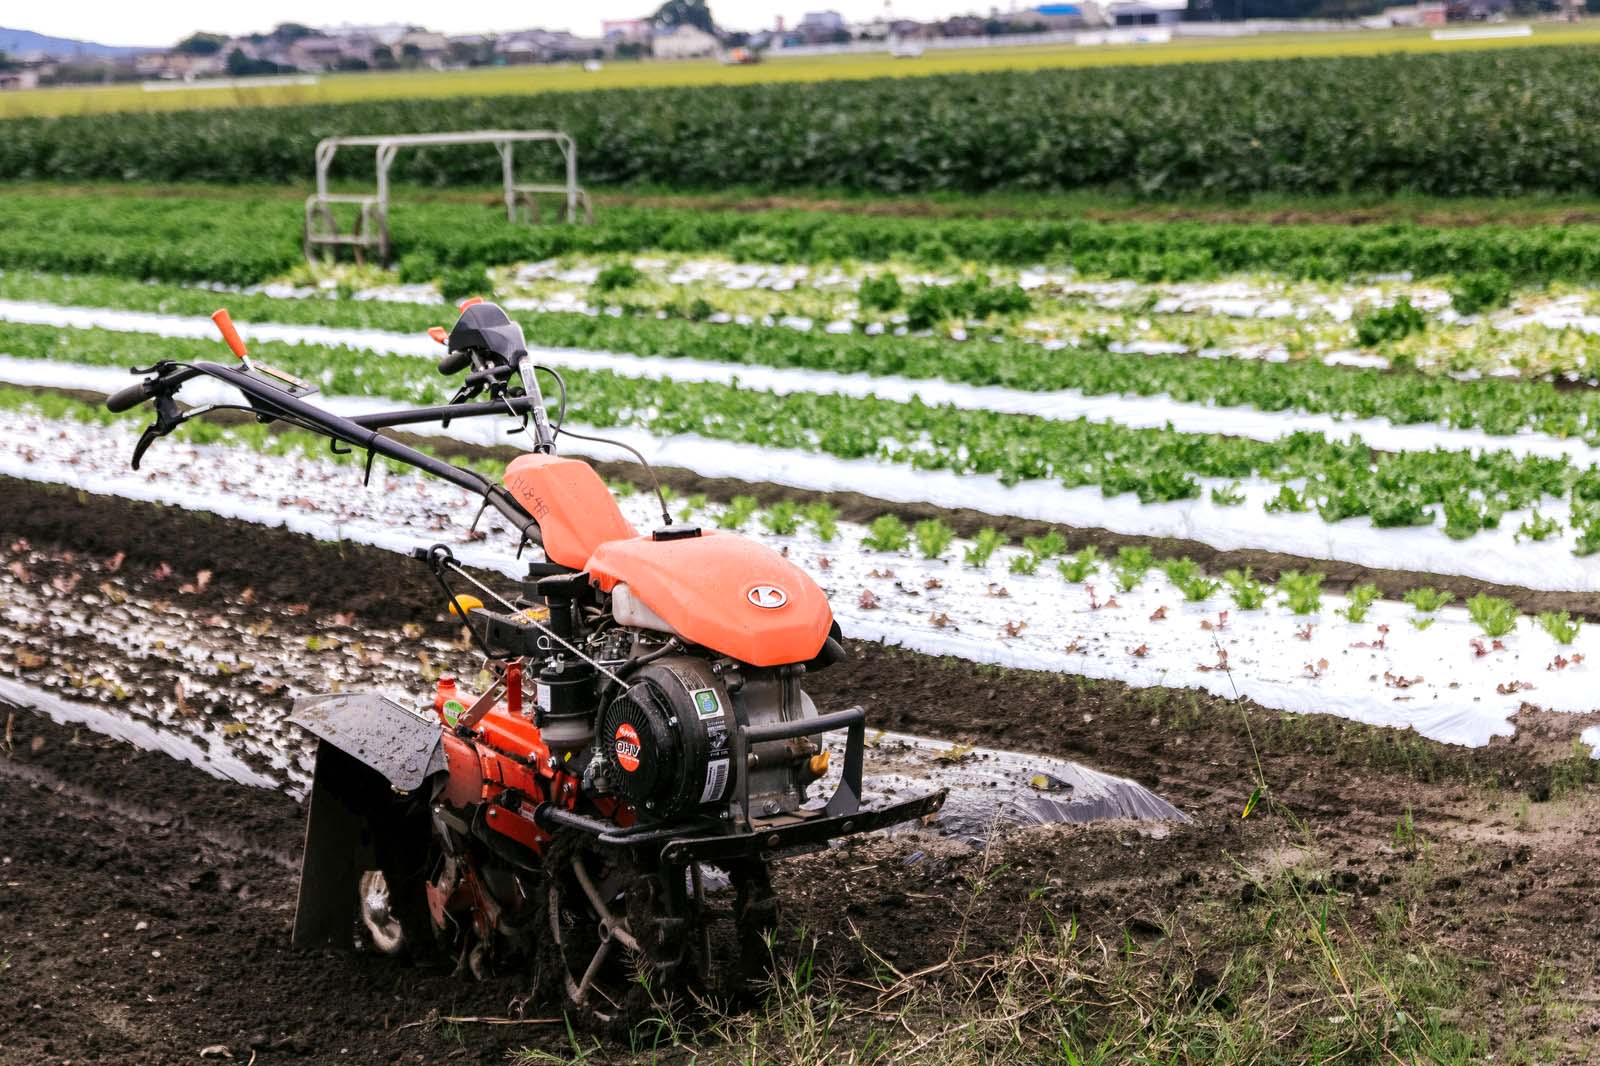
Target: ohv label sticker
627	747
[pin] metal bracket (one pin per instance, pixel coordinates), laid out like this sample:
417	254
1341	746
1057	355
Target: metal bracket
369	231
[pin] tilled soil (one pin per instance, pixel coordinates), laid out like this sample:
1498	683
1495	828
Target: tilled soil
147	905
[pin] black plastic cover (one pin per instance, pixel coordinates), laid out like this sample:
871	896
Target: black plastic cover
485	328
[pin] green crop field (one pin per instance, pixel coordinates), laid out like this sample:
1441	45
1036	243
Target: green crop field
344	88
1459	124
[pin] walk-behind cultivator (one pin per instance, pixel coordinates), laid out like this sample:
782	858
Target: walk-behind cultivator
603	814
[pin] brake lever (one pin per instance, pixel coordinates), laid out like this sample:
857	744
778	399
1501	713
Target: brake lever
147	438
168	418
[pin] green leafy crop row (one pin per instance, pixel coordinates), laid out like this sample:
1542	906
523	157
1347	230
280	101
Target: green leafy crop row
1338	479
1494	405
240	241
1472	123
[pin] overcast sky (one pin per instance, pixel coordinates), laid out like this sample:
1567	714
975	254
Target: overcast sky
163	22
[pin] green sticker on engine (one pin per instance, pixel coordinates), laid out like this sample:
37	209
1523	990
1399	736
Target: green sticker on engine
706	702
453	710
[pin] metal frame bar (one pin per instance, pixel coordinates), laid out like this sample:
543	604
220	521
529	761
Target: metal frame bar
374	217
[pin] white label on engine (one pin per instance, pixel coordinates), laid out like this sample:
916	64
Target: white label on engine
716	780
541	695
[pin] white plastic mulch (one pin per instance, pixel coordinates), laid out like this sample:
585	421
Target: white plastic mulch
1382	671
1491	555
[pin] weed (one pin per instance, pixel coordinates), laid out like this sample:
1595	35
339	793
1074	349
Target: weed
1571	774
1405	831
887	534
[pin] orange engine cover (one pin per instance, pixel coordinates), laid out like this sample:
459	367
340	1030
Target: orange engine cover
575	511
727	593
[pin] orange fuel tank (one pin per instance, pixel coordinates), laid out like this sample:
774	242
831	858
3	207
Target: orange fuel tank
575	511
724	592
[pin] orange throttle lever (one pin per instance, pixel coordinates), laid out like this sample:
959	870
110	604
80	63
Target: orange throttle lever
440	334
230	335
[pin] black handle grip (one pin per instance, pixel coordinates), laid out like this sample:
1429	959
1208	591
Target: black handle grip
455	362
129	398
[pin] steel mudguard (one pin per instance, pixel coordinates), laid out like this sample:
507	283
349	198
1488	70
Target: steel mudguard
370	752
377	733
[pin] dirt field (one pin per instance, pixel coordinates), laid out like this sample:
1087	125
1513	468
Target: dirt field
1390	899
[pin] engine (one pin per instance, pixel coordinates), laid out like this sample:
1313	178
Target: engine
652	722
666	742
667	745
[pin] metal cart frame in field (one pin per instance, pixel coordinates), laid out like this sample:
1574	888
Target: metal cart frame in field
370	232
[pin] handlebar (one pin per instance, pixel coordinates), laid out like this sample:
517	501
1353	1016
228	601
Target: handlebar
362	431
129	398
454	362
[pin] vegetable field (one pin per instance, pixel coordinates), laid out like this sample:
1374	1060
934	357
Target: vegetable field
1446	124
1381	438
1285	510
